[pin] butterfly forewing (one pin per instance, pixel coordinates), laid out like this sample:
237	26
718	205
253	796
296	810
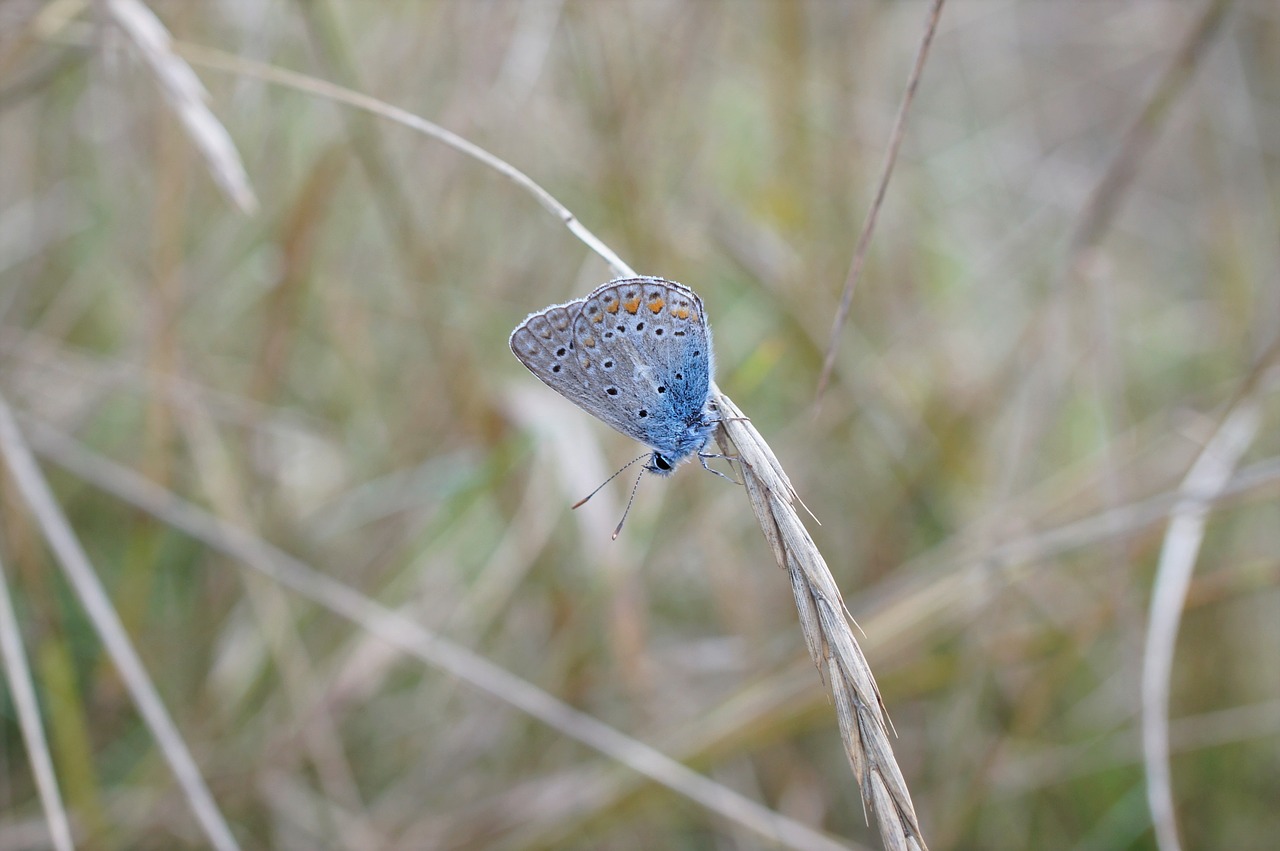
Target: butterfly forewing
636	334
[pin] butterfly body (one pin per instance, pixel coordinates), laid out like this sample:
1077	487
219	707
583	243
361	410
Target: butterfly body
635	353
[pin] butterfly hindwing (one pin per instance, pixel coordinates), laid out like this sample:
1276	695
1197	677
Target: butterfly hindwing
543	343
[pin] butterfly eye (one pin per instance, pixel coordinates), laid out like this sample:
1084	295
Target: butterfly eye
661	463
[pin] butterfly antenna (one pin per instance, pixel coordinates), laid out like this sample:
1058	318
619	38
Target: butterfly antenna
606	481
630	499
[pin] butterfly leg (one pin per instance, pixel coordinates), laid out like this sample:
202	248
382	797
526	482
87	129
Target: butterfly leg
703	456
719	419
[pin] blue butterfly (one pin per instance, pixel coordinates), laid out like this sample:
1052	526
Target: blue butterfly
635	353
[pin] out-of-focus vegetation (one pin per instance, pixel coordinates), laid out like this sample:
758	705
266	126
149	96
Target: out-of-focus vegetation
331	373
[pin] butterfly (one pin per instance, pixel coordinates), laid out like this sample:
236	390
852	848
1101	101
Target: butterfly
635	353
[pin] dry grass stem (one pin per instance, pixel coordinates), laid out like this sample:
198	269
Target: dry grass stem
187	98
220	61
423	644
824	620
354	578
1210	473
886	171
860	712
23	694
97	605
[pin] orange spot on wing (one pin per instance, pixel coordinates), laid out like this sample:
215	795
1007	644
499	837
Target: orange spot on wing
656	304
632	306
680	312
589	342
599	317
612	307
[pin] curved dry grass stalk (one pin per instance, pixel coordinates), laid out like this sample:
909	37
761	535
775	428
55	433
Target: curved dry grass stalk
864	724
24	701
102	614
1210	473
399	631
220	61
823	616
186	97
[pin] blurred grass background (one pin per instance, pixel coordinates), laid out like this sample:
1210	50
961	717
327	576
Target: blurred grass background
332	373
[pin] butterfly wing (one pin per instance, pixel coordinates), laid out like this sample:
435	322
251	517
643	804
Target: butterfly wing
645	352
543	342
635	353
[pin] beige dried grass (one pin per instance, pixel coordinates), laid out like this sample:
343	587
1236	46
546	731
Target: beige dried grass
181	88
27	708
84	581
824	619
406	634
